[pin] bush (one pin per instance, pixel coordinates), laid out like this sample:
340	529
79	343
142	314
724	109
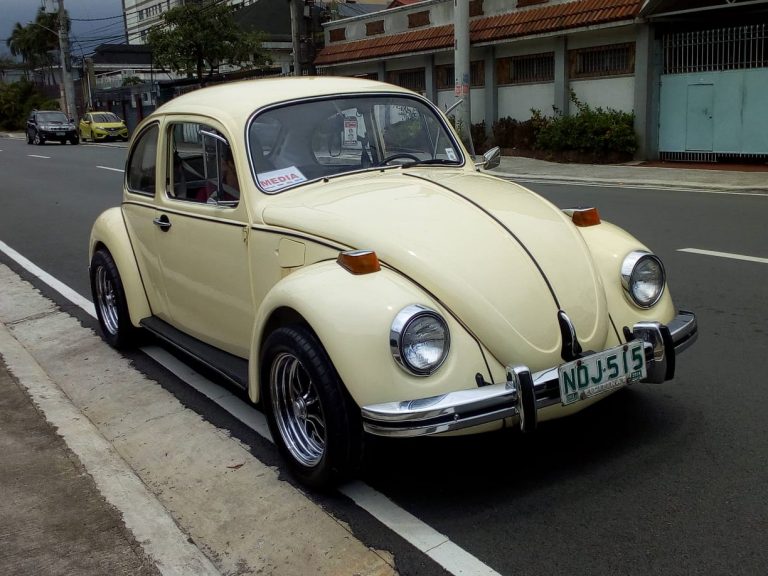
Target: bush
511	133
591	131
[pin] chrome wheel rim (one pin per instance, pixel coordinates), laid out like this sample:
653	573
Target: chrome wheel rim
106	300
297	410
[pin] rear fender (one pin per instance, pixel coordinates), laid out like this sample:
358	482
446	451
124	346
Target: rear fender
109	232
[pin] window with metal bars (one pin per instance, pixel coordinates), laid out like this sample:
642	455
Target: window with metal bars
445	75
599	61
526	69
410	79
715	50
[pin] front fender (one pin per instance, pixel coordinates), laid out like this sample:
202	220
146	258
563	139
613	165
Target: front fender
110	231
352	316
609	244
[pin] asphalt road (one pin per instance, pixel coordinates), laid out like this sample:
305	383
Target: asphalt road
658	479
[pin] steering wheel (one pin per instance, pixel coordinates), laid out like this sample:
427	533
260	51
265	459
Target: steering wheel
389	159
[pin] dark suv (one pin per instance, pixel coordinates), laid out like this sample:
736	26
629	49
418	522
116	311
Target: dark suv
43	125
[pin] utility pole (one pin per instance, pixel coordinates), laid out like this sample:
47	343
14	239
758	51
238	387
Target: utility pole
66	64
295	33
462	71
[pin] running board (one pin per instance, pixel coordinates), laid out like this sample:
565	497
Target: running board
231	367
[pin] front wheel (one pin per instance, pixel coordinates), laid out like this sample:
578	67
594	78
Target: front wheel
110	302
314	421
37	139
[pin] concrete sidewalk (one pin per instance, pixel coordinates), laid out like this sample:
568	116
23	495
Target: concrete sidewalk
737	178
104	471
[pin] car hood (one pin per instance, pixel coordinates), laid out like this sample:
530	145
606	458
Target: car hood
105	125
500	257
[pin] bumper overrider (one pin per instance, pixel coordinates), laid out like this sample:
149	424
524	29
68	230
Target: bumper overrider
524	393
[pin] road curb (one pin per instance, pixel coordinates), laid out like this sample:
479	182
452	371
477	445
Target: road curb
631	183
149	522
218	509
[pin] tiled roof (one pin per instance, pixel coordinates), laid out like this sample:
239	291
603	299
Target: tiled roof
552	18
514	24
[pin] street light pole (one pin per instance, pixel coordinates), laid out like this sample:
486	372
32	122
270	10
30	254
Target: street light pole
66	64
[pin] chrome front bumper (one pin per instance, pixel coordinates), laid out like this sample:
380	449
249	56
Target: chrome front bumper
524	393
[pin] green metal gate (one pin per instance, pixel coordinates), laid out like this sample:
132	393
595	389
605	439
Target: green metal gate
714	94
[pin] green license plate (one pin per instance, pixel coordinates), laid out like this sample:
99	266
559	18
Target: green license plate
601	372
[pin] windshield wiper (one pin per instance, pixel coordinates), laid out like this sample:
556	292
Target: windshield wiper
440	161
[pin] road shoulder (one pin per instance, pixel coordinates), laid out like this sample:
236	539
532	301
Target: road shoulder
208	505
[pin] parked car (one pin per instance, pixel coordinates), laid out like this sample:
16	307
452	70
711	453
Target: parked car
44	125
328	245
100	126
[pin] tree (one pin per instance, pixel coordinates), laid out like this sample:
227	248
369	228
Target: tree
35	41
195	38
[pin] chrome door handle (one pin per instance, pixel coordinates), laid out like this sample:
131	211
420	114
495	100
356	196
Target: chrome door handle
163	222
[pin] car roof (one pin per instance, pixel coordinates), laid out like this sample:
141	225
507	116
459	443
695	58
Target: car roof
238	100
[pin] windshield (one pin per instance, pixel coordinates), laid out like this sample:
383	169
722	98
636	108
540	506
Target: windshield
53	117
105	117
300	142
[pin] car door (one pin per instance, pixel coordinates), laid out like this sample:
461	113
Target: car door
143	173
201	235
85	126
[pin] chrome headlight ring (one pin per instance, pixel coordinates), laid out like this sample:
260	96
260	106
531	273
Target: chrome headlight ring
419	340
643	278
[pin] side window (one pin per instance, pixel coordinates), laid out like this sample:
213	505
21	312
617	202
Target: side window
202	167
142	163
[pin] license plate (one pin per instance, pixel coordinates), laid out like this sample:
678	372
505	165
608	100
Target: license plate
60	133
601	372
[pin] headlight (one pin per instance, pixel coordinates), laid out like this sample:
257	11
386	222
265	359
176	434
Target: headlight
643	278
419	340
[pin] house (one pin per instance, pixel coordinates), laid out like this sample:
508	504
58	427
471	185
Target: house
693	72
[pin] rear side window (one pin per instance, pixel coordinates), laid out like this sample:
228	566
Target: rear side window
142	163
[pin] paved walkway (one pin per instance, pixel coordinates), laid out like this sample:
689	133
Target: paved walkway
740	178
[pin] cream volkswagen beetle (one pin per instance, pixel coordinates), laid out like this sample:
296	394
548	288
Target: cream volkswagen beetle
328	245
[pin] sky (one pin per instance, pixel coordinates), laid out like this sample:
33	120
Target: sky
87	33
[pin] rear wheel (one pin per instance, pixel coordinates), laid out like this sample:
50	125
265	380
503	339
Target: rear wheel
314	421
111	304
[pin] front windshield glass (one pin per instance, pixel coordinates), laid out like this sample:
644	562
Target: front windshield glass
301	142
53	117
105	117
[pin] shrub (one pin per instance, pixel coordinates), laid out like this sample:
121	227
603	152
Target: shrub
591	130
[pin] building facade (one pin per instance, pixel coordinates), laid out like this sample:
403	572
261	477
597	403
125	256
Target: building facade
693	72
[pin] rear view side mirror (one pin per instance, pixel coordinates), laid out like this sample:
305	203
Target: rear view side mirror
491	159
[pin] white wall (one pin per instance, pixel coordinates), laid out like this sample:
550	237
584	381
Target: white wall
517	101
617	93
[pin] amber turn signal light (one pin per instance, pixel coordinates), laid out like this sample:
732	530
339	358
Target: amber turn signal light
586	217
359	261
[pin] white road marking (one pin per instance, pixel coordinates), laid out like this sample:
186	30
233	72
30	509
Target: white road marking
60	287
38	156
113	169
437	546
724	255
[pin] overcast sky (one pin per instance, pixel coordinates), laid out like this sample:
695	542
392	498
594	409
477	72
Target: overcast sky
87	33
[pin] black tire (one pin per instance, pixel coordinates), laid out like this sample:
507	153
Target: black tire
74	141
37	139
29	137
110	302
313	419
